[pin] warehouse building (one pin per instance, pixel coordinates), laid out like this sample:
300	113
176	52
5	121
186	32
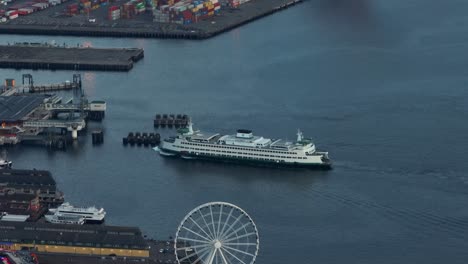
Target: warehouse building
31	182
74	239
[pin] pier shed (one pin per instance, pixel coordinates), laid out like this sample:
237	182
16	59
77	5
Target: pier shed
14	109
97	240
32	181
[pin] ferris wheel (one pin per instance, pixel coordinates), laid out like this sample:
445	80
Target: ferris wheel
216	233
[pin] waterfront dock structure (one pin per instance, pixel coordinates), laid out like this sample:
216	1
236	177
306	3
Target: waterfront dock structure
228	19
38	182
25	117
95	240
67	58
28	86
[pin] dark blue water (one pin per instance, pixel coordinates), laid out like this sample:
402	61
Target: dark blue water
382	85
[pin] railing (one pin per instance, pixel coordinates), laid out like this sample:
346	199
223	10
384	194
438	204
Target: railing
56	123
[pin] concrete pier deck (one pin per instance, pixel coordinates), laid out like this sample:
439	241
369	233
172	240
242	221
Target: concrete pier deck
43	23
66	58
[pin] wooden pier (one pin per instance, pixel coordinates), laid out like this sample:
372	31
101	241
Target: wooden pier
66	58
44	88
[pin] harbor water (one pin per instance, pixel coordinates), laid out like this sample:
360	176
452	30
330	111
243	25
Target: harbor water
381	85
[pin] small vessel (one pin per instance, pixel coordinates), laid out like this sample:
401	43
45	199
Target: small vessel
59	218
91	215
5	164
244	147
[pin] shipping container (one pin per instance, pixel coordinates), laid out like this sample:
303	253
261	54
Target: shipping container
41	6
25	11
11	12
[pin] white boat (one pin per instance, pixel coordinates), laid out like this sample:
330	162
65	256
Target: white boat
5	164
90	214
58	218
244	147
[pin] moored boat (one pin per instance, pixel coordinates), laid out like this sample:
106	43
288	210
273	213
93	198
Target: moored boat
59	218
90	215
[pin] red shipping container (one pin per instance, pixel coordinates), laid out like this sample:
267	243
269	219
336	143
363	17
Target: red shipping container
187	14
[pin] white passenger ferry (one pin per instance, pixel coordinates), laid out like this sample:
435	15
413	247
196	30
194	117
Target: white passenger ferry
244	147
58	218
91	215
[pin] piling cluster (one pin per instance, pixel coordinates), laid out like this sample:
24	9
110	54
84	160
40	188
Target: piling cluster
145	139
171	120
97	137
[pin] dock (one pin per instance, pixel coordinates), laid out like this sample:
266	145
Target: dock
68	58
227	20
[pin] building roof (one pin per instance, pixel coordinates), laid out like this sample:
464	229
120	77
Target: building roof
15	108
26	177
101	236
17	197
203	136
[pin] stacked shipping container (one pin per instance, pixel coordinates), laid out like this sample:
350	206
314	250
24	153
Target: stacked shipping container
114	13
12	14
72	9
27	8
132	8
186	11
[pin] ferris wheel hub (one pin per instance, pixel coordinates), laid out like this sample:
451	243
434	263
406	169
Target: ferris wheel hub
218	244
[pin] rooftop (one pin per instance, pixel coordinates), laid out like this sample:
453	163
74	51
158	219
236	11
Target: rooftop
26	177
203	136
15	108
16	197
72	235
253	139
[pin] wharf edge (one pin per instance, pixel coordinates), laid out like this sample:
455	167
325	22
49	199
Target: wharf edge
69	58
134	32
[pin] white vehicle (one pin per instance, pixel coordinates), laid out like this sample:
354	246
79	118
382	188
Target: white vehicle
5	164
244	147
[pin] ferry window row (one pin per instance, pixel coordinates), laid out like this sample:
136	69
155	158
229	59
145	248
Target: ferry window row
238	148
243	153
273	156
240	157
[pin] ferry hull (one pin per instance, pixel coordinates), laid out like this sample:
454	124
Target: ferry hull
93	222
188	156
